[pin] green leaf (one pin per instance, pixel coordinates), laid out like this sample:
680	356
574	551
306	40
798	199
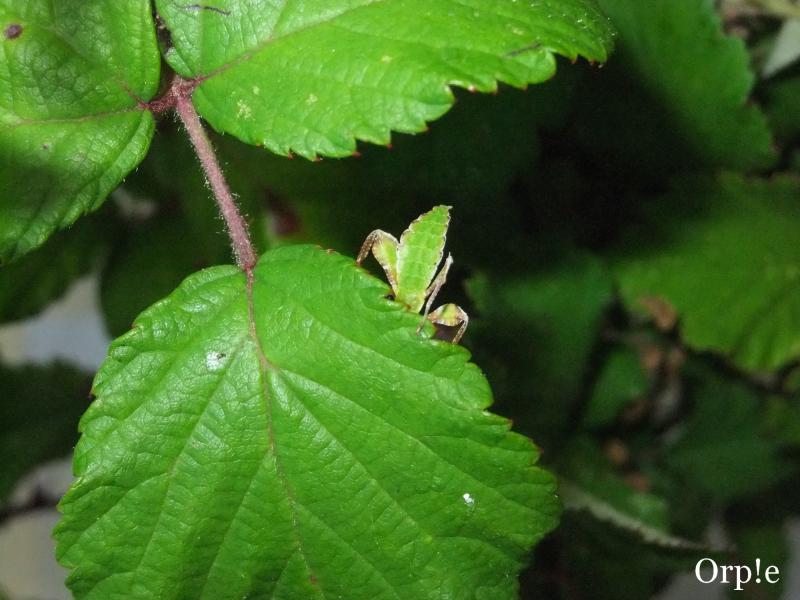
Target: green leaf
599	556
579	499
297	440
72	77
39	411
314	78
28	285
588	483
731	247
604	516
675	93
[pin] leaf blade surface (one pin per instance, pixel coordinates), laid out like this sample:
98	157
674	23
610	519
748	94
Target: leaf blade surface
312	78
71	124
326	451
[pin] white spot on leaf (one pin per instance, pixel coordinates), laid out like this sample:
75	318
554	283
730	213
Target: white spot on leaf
312	99
469	500
214	360
244	111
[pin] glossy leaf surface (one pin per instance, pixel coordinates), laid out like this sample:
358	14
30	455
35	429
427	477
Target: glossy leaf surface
72	75
314	77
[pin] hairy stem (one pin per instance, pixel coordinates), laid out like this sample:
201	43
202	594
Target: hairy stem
237	227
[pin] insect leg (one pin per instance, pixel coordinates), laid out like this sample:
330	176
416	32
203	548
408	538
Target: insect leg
380	243
451	315
436	284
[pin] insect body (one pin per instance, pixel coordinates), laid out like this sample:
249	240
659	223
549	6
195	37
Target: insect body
411	266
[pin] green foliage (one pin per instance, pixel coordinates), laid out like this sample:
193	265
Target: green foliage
624	242
70	129
783	421
38	412
68	143
590	484
621	381
315	81
702	258
624	559
676	95
234	427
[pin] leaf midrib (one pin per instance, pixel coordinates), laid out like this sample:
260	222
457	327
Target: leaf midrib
264	368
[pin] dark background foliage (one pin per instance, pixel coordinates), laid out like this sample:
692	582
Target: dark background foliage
627	241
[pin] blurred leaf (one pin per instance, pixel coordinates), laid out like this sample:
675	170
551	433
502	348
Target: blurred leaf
783	421
72	79
612	532
622	380
385	66
725	254
579	499
674	94
39	412
601	561
722	449
535	334
295	435
29	284
588	482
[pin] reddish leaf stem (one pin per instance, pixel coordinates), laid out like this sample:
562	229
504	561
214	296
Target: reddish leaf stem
246	257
